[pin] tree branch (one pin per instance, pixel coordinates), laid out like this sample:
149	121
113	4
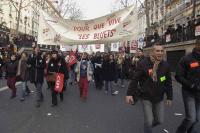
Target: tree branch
13	3
33	1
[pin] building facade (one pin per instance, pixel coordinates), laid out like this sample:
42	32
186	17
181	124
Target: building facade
29	14
141	27
163	13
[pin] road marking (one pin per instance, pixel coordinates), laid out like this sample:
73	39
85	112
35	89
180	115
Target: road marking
178	114
5	88
49	114
165	130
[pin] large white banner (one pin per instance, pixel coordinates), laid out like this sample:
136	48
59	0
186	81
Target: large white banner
118	26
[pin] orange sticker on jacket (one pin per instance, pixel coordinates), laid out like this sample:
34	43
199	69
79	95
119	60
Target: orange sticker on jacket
150	71
194	65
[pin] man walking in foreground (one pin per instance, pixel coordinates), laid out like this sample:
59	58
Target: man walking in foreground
153	75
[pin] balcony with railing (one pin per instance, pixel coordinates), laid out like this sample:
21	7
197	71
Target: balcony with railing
176	11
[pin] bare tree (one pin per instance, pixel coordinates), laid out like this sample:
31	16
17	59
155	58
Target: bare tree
142	3
69	9
19	6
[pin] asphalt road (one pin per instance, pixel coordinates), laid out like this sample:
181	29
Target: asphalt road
102	113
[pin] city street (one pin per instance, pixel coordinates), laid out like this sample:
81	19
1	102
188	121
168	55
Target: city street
102	113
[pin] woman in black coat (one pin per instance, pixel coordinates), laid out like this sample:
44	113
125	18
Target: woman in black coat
109	73
56	65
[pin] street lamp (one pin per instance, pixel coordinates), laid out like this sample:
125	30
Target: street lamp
25	22
194	8
10	24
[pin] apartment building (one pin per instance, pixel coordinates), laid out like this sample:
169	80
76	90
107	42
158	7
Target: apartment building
29	14
163	13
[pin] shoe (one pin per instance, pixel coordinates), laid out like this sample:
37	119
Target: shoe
37	105
106	92
13	96
22	99
53	105
32	91
115	93
84	99
61	99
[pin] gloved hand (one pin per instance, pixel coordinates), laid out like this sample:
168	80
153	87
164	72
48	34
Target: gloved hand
195	87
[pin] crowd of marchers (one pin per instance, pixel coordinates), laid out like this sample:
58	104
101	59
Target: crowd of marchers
149	77
106	69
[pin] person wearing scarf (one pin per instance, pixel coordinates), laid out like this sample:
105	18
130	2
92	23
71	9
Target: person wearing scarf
154	77
84	76
188	74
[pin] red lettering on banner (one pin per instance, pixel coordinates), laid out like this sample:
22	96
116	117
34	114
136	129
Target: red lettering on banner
99	26
104	34
83	36
114	21
81	28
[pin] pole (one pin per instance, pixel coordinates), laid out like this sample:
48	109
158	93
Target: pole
194	9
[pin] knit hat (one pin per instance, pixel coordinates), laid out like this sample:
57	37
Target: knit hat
54	51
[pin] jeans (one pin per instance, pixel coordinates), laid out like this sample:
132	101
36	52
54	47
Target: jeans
72	76
153	114
24	90
192	111
109	85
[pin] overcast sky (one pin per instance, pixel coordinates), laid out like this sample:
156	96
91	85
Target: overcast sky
97	8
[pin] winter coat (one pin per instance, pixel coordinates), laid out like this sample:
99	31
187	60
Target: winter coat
58	66
23	70
188	72
36	65
152	91
89	70
109	69
11	68
97	64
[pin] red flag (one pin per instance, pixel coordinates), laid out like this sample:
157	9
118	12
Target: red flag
59	84
72	58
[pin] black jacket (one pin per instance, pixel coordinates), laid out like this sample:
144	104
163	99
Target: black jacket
97	69
36	67
11	68
58	66
188	72
109	70
152	91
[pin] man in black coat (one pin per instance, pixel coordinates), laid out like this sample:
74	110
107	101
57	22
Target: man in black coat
97	63
37	65
188	74
153	74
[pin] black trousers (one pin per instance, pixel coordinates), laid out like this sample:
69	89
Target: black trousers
54	94
98	81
